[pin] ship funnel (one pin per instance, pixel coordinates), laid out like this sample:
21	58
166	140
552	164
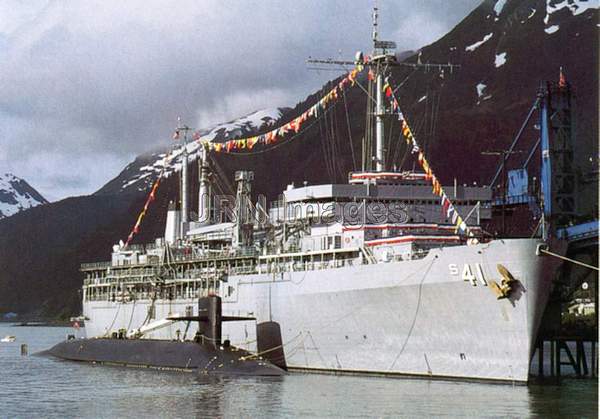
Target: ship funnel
184	186
243	214
172	229
204	198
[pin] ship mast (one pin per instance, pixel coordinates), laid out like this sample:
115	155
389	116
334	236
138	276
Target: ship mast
383	57
379	108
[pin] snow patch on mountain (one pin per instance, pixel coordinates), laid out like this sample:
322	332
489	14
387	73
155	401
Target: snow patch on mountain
473	47
480	89
254	121
551	29
16	195
481	93
500	59
499	6
140	177
575	6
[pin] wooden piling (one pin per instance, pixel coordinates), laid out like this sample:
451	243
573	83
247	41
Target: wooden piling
582	367
577	361
557	358
594	360
541	358
552	351
571	360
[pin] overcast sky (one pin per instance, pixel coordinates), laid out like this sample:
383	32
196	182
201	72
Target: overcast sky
85	86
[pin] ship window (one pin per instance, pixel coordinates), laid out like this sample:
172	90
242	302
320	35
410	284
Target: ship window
338	242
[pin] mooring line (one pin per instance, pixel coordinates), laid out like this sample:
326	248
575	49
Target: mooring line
569	259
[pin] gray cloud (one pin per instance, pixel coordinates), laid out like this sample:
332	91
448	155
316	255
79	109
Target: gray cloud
86	86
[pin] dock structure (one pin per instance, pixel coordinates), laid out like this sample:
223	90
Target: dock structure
558	352
577	361
569	352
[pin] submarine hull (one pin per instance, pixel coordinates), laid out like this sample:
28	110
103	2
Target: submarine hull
161	354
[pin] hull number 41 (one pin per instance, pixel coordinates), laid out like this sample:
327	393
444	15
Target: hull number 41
472	273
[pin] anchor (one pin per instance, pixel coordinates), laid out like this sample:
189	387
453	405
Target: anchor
505	288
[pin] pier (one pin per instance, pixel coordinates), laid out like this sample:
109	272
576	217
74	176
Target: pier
578	354
575	352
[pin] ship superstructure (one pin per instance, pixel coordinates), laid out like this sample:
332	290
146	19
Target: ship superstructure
372	276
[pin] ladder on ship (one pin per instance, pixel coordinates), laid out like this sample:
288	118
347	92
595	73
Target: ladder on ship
368	255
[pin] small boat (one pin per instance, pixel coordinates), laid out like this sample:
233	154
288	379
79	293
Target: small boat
8	338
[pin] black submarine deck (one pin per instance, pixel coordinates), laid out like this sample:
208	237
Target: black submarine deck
203	358
205	354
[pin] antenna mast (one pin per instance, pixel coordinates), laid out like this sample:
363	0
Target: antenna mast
383	56
375	16
379	107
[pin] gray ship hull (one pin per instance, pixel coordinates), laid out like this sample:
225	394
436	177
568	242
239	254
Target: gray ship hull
415	317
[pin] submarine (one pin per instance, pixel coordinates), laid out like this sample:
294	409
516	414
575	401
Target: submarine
206	354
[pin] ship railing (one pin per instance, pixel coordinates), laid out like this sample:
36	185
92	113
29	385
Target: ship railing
179	255
144	272
243	270
131	271
413	255
223	254
223	235
95	265
298	266
136	247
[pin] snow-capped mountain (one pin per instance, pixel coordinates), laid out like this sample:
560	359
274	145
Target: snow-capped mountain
243	126
506	50
139	175
17	195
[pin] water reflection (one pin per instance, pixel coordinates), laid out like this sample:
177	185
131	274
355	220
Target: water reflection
32	386
237	396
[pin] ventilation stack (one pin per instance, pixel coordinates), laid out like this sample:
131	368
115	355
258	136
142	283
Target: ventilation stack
172	229
243	210
204	192
184	186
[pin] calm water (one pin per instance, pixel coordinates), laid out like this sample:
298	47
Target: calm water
44	387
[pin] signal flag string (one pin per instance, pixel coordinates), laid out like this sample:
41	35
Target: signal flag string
448	208
270	137
149	199
294	125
